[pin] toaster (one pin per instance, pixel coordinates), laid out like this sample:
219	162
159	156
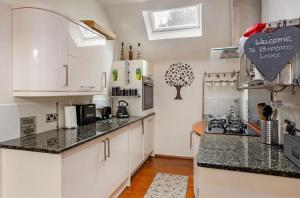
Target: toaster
103	113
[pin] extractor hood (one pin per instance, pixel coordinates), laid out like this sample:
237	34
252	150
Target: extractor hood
244	13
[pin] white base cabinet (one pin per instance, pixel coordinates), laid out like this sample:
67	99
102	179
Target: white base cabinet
136	146
194	146
234	184
118	161
83	171
210	182
148	136
101	168
92	170
97	168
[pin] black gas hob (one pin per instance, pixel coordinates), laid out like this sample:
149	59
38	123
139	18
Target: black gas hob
229	127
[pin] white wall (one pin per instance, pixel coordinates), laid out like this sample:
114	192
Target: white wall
127	21
278	10
11	108
273	10
174	118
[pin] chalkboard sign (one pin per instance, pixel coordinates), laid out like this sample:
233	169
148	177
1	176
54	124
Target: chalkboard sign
270	52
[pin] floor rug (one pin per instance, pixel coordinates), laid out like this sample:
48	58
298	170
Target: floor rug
167	186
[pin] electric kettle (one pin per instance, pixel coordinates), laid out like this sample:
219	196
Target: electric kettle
122	110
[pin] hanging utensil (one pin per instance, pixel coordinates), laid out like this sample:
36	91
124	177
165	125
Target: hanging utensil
267	112
260	107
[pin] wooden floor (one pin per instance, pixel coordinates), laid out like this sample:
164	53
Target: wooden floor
144	176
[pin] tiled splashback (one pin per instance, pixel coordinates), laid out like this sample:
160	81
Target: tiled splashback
11	113
9	121
291	113
218	100
219	106
291	108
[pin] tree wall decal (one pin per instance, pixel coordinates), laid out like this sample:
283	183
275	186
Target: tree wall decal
179	75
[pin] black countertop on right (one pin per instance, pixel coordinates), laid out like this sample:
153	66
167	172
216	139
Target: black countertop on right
244	154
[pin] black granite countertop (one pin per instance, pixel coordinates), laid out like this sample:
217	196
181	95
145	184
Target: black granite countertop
245	154
58	141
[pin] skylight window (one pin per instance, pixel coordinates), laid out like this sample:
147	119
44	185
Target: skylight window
85	38
88	34
174	23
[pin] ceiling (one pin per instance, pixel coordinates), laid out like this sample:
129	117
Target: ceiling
109	3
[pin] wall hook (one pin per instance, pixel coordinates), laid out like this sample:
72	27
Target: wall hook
284	22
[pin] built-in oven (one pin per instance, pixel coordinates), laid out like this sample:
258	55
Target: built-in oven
147	93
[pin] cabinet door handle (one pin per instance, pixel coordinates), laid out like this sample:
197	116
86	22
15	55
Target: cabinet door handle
88	87
67	75
191	139
105	80
104	150
108	146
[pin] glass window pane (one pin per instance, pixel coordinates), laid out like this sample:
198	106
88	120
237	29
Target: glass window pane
88	34
176	18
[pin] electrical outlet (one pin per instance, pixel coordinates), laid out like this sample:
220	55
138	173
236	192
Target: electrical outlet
52	117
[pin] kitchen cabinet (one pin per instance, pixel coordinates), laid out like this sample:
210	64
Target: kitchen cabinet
84	76
135	146
39	51
116	171
56	56
104	169
148	136
194	146
85	179
88	70
83	42
101	167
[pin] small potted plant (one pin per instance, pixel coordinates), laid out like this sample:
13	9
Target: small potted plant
115	75
138	73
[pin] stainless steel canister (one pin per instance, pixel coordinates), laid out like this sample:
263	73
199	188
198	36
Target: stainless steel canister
269	131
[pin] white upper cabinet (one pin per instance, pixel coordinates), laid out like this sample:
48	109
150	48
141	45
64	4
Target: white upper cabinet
39	51
56	56
86	76
84	43
87	70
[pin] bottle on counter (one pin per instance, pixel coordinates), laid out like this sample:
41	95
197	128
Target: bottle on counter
139	52
130	53
122	52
